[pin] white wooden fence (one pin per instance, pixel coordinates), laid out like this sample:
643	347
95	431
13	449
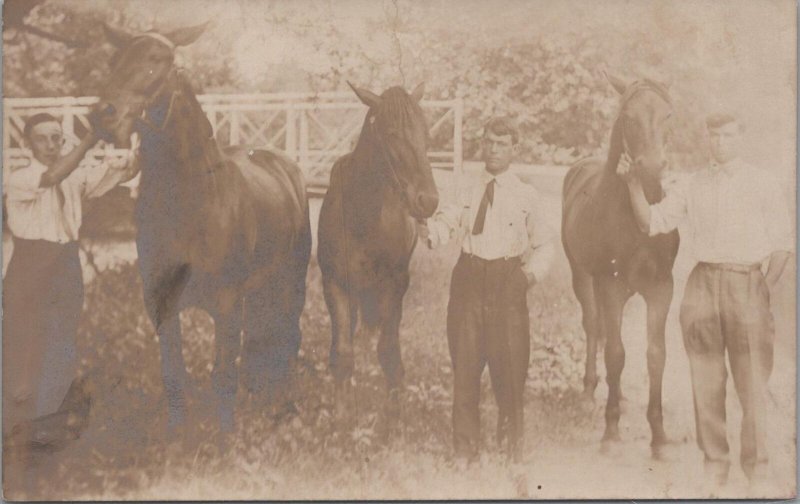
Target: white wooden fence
312	129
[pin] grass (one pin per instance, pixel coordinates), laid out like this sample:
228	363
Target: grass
124	454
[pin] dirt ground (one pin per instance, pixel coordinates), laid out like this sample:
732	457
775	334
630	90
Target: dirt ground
124	454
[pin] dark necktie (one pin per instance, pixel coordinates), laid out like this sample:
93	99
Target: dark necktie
61	205
488	199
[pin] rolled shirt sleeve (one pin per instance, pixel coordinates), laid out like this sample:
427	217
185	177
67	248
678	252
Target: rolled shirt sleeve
667	214
444	225
24	184
99	179
538	257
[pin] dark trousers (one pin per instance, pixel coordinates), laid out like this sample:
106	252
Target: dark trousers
487	322
42	303
727	307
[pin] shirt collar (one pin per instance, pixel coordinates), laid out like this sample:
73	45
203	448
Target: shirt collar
500	180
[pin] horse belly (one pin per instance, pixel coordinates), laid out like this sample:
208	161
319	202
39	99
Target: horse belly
578	234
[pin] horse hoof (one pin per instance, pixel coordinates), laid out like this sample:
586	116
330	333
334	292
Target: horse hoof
610	444
282	410
664	451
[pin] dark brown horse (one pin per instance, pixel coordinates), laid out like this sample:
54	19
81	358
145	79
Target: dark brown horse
225	230
367	232
611	259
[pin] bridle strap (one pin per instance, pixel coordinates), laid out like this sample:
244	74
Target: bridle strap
155	95
160	128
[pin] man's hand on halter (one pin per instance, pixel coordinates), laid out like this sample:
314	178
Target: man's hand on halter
624	167
95	118
422	229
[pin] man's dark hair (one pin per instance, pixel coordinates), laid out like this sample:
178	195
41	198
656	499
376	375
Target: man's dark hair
36	119
502	126
720	119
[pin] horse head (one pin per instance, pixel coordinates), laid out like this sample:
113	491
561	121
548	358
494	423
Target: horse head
643	126
396	129
142	71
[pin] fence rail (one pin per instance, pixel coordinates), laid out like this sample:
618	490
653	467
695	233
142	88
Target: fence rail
312	129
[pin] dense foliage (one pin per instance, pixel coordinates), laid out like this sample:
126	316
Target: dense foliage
548	76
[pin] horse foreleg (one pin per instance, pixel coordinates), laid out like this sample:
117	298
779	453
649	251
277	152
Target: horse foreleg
343	310
584	291
658	302
389	355
225	377
270	347
173	370
612	295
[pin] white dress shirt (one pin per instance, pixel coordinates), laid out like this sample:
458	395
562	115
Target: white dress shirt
36	213
735	214
514	224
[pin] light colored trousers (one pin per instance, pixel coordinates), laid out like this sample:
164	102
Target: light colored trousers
726	307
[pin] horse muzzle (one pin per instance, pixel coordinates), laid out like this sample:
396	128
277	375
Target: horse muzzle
112	125
424	204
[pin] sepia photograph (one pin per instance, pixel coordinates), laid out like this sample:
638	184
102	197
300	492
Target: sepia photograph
399	250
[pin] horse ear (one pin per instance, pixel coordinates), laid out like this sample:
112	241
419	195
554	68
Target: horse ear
619	85
118	37
185	36
367	97
418	92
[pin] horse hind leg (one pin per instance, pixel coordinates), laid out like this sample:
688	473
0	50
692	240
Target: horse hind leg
584	290
225	376
270	348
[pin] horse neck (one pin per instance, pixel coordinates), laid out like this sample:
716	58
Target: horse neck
370	188
168	173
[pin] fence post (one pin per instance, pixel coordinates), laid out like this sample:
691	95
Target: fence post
304	142
291	132
458	116
7	143
235	127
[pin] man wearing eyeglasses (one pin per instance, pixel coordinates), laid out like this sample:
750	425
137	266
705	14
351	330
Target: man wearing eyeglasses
43	286
506	247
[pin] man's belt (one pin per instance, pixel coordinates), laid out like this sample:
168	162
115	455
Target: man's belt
734	267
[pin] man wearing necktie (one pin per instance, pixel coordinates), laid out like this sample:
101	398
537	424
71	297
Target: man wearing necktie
43	286
737	219
506	247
